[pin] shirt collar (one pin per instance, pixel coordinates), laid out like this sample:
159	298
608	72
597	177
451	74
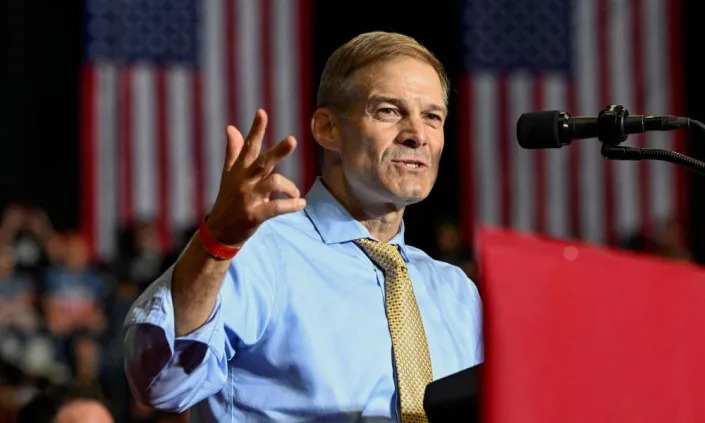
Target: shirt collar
335	224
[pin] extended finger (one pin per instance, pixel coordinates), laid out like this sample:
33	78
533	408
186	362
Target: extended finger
233	147
278	184
266	162
253	142
274	208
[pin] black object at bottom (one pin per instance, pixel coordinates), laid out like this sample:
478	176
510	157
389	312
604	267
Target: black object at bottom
454	398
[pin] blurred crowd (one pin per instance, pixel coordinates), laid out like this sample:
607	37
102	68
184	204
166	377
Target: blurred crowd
61	313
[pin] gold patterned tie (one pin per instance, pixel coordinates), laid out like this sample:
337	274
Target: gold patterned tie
409	345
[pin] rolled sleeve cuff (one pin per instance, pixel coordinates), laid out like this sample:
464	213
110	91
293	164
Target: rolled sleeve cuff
155	309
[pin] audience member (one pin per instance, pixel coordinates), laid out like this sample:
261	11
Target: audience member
66	404
17	294
450	247
74	292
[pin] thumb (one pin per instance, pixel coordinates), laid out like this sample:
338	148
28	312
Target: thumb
233	147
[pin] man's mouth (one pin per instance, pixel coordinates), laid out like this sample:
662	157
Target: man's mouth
410	164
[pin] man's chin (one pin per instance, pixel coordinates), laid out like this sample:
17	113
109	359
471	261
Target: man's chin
411	190
411	196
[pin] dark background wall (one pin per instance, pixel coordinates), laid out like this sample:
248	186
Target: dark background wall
39	128
695	87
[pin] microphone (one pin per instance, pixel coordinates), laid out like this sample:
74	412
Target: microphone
554	129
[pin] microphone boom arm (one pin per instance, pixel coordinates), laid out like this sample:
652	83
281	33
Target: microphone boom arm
611	150
632	153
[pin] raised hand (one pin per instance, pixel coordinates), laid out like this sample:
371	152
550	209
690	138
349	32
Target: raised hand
249	191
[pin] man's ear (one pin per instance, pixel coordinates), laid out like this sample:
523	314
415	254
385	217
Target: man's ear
325	129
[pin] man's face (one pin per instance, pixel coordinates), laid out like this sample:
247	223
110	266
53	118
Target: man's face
392	132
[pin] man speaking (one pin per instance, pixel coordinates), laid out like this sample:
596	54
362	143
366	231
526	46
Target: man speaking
290	309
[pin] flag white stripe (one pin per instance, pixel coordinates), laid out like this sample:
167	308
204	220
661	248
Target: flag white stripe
486	152
591	174
621	70
180	124
521	160
105	165
249	59
284	64
146	165
556	161
214	101
663	195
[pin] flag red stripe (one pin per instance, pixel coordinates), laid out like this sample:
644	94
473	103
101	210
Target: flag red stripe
230	58
306	143
639	81
88	100
677	106
573	168
198	140
539	161
163	210
266	57
604	93
505	168
125	148
466	157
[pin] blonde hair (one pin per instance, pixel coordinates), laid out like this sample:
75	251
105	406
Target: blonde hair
363	50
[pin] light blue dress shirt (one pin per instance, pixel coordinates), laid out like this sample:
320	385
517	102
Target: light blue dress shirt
299	331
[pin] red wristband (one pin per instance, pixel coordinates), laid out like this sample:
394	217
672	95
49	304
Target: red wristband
212	246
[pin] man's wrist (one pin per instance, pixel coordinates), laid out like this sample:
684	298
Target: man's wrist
212	246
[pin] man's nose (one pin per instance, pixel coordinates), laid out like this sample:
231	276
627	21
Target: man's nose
413	133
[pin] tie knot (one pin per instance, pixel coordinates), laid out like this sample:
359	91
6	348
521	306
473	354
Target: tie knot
386	256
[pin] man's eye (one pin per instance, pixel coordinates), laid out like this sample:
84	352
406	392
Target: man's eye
387	112
434	116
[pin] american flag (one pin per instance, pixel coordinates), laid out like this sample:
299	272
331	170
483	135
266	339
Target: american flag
160	81
575	56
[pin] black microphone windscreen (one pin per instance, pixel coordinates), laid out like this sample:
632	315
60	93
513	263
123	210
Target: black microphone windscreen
539	129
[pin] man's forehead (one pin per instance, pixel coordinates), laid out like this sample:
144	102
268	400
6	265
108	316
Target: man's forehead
399	77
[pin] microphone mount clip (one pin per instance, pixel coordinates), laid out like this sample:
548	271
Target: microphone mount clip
611	123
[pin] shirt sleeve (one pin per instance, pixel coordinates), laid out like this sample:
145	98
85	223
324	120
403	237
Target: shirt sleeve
174	373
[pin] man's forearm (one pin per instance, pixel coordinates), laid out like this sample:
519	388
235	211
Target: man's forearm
247	196
196	281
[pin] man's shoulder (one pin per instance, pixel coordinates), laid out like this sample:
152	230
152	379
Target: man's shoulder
422	259
291	225
276	239
444	274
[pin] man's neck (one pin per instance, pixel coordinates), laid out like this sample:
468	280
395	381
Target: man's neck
384	227
381	220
